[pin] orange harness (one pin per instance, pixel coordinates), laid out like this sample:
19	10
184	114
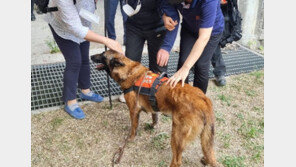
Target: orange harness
148	85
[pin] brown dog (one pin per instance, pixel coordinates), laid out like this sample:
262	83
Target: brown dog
191	110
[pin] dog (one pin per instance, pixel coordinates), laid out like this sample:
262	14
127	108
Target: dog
191	110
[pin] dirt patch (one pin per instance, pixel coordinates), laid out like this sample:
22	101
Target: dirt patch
59	140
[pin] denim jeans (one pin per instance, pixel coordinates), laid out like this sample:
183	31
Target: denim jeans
110	11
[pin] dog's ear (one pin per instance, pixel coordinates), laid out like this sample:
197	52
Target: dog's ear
115	62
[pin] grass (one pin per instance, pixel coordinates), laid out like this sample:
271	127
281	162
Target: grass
225	98
52	46
160	141
233	161
59	140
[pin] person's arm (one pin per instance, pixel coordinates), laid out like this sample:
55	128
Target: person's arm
170	37
206	26
110	43
70	17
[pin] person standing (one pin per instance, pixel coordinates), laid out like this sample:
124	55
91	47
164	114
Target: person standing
110	11
232	32
144	26
201	31
73	35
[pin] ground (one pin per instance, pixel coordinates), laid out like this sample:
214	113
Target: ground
60	140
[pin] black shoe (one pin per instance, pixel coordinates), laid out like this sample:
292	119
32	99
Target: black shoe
33	18
220	80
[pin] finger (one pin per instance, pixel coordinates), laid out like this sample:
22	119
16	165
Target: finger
183	82
158	58
168	81
166	62
175	82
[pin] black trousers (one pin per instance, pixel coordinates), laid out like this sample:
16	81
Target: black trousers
218	63
135	40
202	66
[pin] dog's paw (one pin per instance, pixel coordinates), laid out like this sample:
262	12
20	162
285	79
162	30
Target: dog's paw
203	161
131	139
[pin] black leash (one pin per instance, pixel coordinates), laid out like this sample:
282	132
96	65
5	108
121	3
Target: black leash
108	78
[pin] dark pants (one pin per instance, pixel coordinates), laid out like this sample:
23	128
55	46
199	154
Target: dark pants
110	11
218	63
135	40
77	65
202	66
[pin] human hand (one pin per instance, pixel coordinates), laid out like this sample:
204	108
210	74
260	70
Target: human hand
114	45
169	23
180	75
162	57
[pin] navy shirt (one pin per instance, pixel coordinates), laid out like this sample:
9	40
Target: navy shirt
198	14
148	18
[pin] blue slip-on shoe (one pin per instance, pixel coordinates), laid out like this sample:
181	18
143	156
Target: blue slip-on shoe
75	111
92	97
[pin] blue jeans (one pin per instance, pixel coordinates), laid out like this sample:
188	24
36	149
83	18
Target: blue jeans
77	69
110	11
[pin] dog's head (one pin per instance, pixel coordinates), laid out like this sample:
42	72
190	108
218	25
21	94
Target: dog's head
108	60
115	64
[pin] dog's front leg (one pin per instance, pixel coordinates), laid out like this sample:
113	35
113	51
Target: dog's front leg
134	116
154	119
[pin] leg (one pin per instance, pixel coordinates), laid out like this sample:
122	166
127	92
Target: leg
134	44
124	18
154	41
181	135
207	143
134	113
84	73
186	44
111	6
154	119
72	55
218	63
202	66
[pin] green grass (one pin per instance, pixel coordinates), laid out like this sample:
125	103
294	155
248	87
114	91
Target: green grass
52	46
233	161
56	122
226	140
162	163
160	141
148	127
219	118
165	118
226	99
250	93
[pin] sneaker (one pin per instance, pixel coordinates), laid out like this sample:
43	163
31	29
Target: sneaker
220	80
75	111
92	97
121	98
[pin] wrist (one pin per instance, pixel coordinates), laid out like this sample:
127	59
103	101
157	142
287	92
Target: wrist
186	67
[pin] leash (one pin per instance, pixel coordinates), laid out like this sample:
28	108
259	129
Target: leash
108	78
118	154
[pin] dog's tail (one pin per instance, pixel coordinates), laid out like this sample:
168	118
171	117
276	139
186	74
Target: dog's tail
207	135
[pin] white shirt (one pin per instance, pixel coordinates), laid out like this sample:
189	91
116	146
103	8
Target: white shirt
66	22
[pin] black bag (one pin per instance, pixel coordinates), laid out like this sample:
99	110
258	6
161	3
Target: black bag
233	23
43	6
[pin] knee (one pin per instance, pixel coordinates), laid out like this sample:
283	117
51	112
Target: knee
73	66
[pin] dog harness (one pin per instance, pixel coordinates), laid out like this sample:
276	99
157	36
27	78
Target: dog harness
148	86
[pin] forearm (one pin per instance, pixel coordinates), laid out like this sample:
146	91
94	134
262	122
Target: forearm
196	52
94	37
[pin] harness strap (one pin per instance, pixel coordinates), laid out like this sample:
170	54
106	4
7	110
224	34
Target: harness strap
153	90
149	91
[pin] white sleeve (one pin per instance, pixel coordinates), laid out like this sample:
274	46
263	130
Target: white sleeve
69	16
